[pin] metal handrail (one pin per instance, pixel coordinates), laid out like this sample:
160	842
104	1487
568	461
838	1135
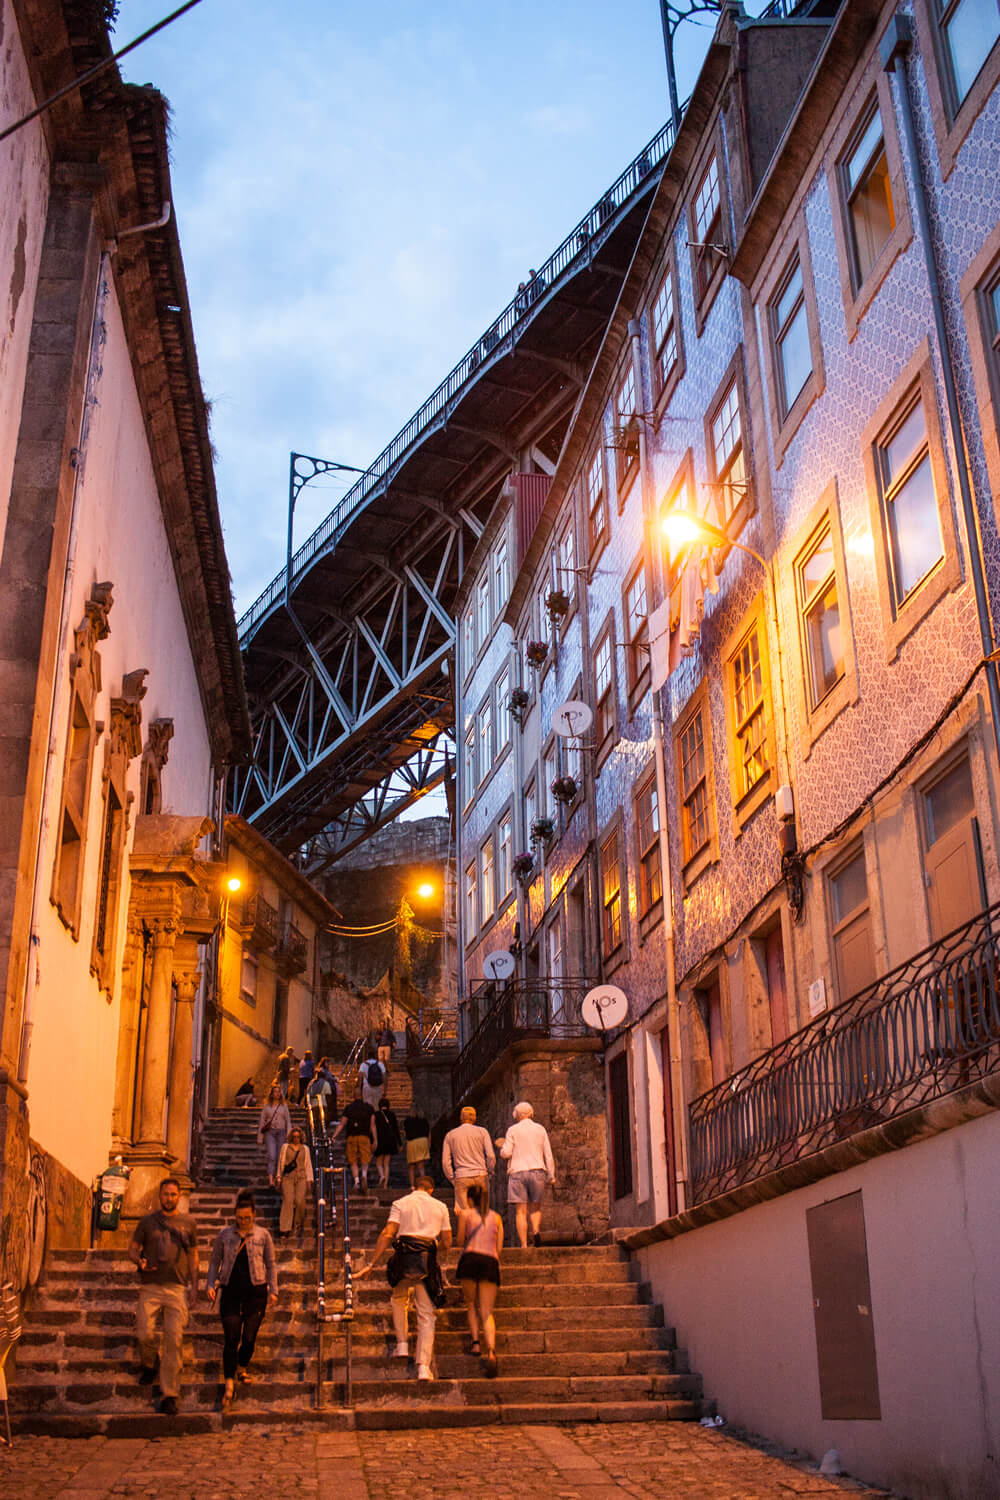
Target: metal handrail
577	246
325	1176
353	1060
926	1028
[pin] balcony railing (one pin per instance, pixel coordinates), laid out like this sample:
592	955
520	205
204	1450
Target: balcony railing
923	1030
521	1009
258	922
293	949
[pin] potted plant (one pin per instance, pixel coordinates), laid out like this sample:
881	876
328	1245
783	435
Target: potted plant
557	604
564	788
524	867
542	830
536	652
518	705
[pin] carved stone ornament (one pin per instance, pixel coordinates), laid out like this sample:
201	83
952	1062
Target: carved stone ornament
126	715
92	628
161	732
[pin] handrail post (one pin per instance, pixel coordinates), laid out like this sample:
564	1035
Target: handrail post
320	1280
348	1297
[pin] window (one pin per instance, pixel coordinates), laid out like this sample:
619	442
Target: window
970	30
819	616
501	575
471	902
980	291
483	610
694	780
748	716
611	894
728	468
108	887
248	977
909	503
469	763
530	808
604	692
790	334
666	344
487	886
597	509
485	740
468	640
871	215
566	570
636	631
504	857
503	709
621	1126
707	226
851	926
547	804
647	815
626	428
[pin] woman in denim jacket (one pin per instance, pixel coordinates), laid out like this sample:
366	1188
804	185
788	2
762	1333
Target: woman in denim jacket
243	1264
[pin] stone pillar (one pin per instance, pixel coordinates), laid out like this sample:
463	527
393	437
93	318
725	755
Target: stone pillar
181	1074
128	1036
153	1088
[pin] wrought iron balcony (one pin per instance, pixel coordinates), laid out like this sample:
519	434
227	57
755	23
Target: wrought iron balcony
258	923
293	949
923	1030
519	1010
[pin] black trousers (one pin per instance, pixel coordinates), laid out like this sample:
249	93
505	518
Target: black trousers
242	1314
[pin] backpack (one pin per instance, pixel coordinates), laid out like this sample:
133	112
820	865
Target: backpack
375	1075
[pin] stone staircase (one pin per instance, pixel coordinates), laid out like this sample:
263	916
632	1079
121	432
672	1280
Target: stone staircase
578	1338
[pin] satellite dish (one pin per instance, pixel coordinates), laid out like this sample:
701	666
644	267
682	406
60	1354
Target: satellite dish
604	1007
498	964
571	719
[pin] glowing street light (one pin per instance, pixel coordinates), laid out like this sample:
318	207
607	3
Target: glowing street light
682	527
234	884
425	890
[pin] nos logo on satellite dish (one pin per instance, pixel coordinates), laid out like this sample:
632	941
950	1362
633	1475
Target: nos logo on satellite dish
604	1007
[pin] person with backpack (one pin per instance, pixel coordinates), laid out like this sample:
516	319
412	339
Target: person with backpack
307	1068
372	1075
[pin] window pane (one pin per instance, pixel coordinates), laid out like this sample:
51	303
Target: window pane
873	217
602	667
726	429
971	32
903	445
949	801
915	529
850	888
747	678
817	567
796	356
663	312
864	152
789	297
994	301
826	657
707	200
692	755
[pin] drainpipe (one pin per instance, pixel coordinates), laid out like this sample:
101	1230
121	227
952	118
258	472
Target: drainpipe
676	1076
896	42
459	824
519	833
32	975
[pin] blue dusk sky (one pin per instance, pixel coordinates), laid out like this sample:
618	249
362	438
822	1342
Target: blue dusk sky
359	189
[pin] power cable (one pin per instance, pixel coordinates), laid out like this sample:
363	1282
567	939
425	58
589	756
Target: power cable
100	67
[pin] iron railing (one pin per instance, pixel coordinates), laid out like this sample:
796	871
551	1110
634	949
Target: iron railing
923	1030
577	245
325	1181
522	1008
293	948
258	921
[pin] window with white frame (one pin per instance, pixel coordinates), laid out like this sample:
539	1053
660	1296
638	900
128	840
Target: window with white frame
604	690
471	901
597	506
566	572
790	337
530	807
485	739
819	615
487	884
707	224
248	977
867	195
483	620
647	830
469	763
503	709
468	639
546	801
626	426
727	452
505	874
666	348
501	575
636	627
909	501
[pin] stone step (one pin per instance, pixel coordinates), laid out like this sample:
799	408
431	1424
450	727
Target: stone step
299	1272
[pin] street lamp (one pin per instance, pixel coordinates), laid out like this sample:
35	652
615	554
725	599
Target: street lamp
425	890
682	527
234	884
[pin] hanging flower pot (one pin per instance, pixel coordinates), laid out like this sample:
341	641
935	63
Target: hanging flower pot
524	867
564	788
542	830
557	604
518	705
536	652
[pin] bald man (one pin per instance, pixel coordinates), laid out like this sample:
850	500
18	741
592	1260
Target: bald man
468	1158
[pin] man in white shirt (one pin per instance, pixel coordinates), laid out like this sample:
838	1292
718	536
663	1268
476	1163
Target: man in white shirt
423	1223
467	1158
527	1148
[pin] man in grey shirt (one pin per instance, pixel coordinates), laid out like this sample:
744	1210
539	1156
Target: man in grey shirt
467	1158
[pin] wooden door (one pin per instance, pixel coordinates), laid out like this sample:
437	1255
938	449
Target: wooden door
670	1140
777	990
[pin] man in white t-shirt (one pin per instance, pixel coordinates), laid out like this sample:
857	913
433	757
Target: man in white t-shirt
528	1151
424	1224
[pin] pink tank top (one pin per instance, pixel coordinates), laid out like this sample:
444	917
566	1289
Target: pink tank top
483	1239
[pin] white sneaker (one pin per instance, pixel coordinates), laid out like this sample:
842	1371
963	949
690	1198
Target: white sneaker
424	1372
401	1351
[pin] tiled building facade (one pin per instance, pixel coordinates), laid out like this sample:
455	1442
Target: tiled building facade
809	799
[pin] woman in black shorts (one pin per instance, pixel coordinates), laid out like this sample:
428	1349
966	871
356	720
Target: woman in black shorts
480	1240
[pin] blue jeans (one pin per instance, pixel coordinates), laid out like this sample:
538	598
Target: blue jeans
273	1142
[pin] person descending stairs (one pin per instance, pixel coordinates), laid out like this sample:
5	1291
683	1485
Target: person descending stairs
578	1336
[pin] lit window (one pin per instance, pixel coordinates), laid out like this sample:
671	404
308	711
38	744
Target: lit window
790	335
727	449
503	709
611	901
596	507
909	503
707	219
970	30
504	857
648	837
485	739
871	216
487	885
471	901
604	689
819	612
665	346
749	714
692	763
501	575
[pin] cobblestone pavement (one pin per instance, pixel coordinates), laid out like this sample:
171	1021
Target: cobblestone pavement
591	1462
